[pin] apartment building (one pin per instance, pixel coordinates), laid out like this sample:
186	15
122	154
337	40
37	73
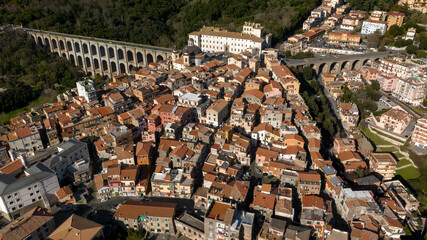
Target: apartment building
86	89
155	217
410	90
171	183
68	153
343	37
395	18
36	224
387	82
309	183
371	26
222	221
25	140
394	120
213	39
78	227
383	163
217	113
35	186
419	134
284	76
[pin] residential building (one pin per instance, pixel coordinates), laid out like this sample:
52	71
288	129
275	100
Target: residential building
378	16
349	115
154	217
387	82
294	44
36	186
190	227
25	140
213	39
36	224
272	230
313	213
383	163
222	221
419	134
263	202
343	37
217	113
80	171
143	153
284	76
343	145
86	89
394	120
410	34
68	153
309	183
78	227
371	26
395	18
410	90
171	183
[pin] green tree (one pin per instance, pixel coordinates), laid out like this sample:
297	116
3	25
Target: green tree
411	49
133	234
308	73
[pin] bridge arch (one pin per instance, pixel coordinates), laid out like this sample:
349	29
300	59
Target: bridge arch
346	65
322	68
120	54
61	45
88	63
72	60
85	48
104	65
110	52
113	67
102	51
96	63
356	65
47	42
130	67
139	57
122	68
64	55
149	58
69	46
159	58
79	61
40	41
77	47
129	55
334	67
54	45
93	49
367	62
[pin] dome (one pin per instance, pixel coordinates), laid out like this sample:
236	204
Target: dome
191	50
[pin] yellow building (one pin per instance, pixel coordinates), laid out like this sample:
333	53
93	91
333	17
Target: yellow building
395	18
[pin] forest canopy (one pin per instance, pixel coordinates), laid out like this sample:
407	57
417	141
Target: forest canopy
161	23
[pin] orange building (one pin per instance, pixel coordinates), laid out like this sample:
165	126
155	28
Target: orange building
395	18
344	37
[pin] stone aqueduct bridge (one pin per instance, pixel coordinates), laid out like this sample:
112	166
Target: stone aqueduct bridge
334	64
99	56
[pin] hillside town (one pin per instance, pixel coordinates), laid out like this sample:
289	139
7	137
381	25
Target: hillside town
219	141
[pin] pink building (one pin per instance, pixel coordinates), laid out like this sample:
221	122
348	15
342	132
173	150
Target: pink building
387	82
370	74
394	120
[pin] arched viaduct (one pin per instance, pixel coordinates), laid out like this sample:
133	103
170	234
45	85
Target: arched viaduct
335	64
100	56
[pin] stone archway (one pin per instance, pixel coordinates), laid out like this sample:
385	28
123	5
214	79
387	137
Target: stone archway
367	62
120	54
54	45
130	67
159	58
47	43
39	41
102	51
139	57
61	45
129	56
122	68
149	58
113	67
95	63
77	47
85	48
334	67
93	49
345	66
88	63
111	52
80	61
322	68
104	65
356	65
69	46
72	60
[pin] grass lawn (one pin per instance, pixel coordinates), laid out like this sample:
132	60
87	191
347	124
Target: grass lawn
420	110
398	155
387	149
408	173
403	162
374	138
388	136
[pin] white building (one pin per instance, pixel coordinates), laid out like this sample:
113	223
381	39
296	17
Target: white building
410	90
86	89
410	34
68	153
371	26
36	187
213	39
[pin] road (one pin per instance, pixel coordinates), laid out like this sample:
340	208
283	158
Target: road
403	105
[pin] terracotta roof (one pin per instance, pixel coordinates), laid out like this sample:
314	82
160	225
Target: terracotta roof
143	148
270	154
218	210
264	200
309	201
63	192
26	224
135	209
76	228
254	92
309	176
165	98
11	167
